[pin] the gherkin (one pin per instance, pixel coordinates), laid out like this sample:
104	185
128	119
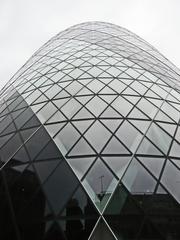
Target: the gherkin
90	140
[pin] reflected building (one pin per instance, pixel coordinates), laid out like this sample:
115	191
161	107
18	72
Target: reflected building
90	140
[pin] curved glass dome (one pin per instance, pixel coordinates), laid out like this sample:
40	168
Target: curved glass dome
90	140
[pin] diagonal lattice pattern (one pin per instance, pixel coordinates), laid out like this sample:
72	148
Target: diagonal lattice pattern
90	139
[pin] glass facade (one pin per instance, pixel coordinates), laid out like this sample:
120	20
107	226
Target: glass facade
90	140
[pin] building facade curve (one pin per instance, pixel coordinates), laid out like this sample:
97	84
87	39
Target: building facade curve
90	140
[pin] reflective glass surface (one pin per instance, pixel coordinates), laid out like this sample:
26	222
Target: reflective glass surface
90	140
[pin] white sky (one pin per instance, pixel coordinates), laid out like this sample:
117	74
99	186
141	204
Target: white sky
25	25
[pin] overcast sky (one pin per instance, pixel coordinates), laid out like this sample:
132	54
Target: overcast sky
25	25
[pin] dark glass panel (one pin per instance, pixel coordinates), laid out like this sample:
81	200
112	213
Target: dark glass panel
79	216
37	142
15	103
20	156
102	232
29	204
33	122
23	117
4	139
8	228
123	215
27	133
45	168
60	186
50	151
10	147
5	122
11	128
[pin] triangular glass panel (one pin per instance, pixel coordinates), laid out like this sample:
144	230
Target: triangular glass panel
163	117
161	190
85	91
83	99
142	125
118	164
96	105
97	135
31	123
122	105
107	90
71	108
130	91
67	137
156	102
45	168
117	201
20	168
60	102
27	133
136	113
37	107
11	128
105	75
50	151
84	81
154	165
132	99
112	124
108	98
114	146
147	148
110	113
4	139
95	85
137	180
40	99
170	179
52	129
57	117
175	149
21	156
81	148
102	232
155	133
129	135
80	165
176	105
176	161
16	113
82	126
99	183
63	95
34	146
83	114
60	186
151	94
170	128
